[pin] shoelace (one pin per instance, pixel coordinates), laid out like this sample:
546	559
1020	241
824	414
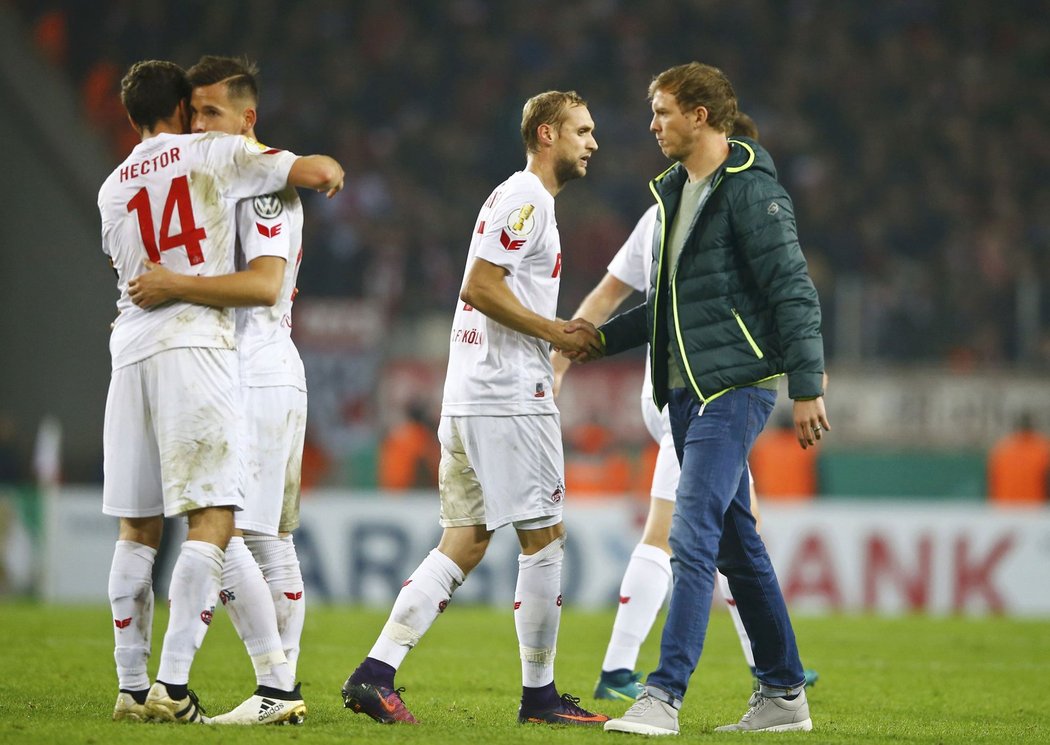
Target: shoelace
196	701
397	694
641	706
572	703
757	702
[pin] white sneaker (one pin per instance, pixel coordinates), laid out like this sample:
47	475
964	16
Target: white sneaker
648	716
773	715
128	708
161	707
267	706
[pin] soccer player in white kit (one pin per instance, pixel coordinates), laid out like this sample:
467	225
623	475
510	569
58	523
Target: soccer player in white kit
500	433
262	585
171	428
647	579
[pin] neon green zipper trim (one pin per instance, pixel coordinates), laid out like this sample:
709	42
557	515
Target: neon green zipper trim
659	273
747	335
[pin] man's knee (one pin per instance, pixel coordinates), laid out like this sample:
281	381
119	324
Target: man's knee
465	546
211	524
144	530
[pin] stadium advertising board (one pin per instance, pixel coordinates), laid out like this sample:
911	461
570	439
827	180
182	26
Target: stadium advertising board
878	557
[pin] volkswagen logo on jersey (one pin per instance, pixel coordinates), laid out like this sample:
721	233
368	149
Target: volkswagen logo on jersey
268	206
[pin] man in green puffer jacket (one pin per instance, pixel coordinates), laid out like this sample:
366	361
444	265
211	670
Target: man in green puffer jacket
730	309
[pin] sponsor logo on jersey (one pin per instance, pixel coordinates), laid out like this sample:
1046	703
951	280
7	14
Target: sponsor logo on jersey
522	222
517	604
773	208
540	393
558	601
442	605
268	206
122	623
226	596
270	232
510	243
294	595
206	616
625	599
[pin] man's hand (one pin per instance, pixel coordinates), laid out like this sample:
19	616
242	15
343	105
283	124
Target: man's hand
811	421
154	287
579	340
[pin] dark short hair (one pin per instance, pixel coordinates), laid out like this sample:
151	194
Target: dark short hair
550	107
696	84
239	74
151	90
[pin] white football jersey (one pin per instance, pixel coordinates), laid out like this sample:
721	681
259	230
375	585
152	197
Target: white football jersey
493	370
631	265
173	201
270	225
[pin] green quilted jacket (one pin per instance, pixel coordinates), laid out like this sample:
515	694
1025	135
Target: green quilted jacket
739	307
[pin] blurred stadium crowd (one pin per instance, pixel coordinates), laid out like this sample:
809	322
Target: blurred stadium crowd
911	134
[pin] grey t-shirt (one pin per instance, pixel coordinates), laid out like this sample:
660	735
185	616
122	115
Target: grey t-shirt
694	194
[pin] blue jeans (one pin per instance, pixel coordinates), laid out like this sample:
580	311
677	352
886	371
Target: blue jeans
713	527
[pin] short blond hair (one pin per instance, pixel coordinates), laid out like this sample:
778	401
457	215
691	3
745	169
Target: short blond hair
550	108
696	84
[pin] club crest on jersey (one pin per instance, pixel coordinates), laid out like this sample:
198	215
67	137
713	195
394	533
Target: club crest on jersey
559	493
521	222
268	206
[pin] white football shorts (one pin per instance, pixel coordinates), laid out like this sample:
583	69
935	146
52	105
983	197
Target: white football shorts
273	431
497	470
667	470
170	439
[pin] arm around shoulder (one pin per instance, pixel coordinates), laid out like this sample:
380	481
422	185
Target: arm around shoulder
317	172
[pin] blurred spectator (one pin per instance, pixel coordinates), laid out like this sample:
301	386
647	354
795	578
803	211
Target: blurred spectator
782	470
11	470
316	463
1019	466
594	465
410	453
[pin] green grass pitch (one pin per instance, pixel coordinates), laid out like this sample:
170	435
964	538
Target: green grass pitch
904	680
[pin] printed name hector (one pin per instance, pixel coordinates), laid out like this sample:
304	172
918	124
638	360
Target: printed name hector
169	156
464	336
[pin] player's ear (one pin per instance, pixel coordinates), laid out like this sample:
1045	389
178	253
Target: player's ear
249	118
545	134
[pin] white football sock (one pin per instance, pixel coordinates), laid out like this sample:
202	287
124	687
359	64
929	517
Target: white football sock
280	566
537	612
422	597
248	601
734	613
131	598
195	583
642	592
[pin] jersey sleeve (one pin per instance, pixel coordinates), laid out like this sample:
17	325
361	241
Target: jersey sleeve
251	167
513	227
264	226
631	263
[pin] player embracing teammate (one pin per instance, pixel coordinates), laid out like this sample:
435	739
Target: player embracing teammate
174	414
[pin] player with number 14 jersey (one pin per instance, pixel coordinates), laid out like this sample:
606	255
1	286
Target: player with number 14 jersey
176	195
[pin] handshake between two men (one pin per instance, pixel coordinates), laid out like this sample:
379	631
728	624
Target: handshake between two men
579	341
